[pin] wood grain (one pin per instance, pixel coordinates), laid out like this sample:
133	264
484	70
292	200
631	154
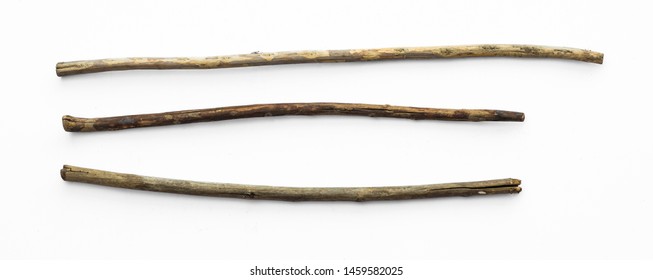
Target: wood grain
75	124
137	182
276	58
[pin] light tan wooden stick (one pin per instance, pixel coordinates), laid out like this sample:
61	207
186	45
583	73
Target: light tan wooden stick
130	181
258	59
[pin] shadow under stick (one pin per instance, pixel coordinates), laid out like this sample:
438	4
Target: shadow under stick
130	181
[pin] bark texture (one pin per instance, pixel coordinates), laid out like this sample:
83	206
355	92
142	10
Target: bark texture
130	181
74	124
276	58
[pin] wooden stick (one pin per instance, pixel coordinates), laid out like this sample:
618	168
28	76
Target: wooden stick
276	58
74	124
136	182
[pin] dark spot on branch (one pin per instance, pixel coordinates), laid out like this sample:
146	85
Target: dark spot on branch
460	115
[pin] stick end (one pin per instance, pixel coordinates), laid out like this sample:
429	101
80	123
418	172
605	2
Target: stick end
596	57
515	184
63	172
73	124
59	69
510	116
68	123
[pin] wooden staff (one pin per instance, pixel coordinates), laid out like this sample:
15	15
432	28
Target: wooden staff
75	124
258	59
136	182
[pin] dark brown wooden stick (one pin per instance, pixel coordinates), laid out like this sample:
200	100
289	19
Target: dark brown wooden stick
75	124
130	181
258	59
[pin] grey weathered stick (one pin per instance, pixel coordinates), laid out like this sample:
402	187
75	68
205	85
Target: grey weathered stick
276	58
75	124
130	181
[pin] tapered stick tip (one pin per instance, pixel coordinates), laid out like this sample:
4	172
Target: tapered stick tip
510	116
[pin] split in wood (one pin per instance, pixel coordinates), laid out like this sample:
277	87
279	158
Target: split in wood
130	181
259	59
75	124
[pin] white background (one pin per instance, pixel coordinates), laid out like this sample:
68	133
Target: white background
582	152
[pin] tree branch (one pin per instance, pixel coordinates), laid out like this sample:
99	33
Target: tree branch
258	59
74	124
130	181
